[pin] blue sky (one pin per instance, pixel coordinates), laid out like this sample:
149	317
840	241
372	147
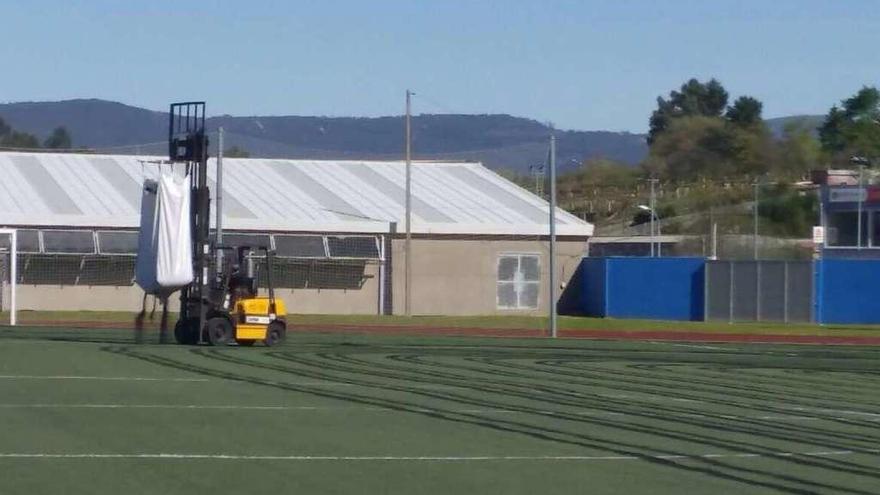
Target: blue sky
579	64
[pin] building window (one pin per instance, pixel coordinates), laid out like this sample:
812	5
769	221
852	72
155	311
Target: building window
843	229
519	278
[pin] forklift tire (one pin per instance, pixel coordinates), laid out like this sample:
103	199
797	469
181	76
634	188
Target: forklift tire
186	333
275	333
220	331
245	342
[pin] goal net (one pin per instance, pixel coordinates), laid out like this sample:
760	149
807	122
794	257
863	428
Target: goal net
8	276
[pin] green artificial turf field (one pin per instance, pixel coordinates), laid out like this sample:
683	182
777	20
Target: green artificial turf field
90	412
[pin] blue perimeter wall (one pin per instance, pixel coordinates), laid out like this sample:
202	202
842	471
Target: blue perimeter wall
847	291
650	288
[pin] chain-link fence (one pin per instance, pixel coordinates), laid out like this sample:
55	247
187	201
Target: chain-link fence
759	291
95	270
727	247
723	220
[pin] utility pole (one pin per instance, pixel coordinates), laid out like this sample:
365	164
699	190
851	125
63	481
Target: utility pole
653	206
408	247
659	236
219	193
755	215
714	240
553	322
861	199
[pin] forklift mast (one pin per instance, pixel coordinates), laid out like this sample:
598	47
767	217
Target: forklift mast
188	143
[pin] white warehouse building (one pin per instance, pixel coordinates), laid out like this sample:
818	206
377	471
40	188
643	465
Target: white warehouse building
479	241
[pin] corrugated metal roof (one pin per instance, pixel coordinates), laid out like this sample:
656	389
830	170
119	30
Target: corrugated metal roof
56	189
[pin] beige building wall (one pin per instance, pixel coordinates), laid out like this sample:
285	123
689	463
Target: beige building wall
459	276
450	277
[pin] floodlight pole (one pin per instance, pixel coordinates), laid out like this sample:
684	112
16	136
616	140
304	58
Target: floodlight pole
553	319
408	247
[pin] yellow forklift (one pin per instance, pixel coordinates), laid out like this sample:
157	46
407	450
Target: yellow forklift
222	305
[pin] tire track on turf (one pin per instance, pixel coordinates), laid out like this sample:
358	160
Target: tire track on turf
472	420
323	366
674	412
678	420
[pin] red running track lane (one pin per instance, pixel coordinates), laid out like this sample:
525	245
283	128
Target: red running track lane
647	335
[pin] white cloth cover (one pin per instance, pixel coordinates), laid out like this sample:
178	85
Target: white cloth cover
164	261
145	268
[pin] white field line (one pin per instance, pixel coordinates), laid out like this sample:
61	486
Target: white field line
695	346
100	378
842	412
234	407
396	384
644	397
466	458
156	379
692	346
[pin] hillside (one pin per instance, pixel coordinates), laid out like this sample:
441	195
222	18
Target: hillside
499	141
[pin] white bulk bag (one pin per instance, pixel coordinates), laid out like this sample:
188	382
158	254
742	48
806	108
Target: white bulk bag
174	254
165	247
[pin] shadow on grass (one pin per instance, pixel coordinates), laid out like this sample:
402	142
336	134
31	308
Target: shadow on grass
147	335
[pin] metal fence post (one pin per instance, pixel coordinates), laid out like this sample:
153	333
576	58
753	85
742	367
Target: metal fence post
818	290
757	290
785	291
706	299
730	296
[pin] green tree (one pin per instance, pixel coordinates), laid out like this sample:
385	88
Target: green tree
790	213
745	111
709	147
10	138
236	152
21	140
59	139
798	151
693	99
853	128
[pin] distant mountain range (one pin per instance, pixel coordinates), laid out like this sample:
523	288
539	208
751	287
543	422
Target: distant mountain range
499	141
777	126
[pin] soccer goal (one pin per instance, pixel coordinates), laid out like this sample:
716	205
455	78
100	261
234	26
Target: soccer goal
8	274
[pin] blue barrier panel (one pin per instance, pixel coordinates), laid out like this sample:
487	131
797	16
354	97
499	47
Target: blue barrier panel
651	288
593	296
847	291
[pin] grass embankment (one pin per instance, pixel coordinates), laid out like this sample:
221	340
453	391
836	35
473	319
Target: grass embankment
500	322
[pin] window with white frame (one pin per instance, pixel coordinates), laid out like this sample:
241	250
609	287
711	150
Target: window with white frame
519	279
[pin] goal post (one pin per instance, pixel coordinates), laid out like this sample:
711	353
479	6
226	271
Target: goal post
9	248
